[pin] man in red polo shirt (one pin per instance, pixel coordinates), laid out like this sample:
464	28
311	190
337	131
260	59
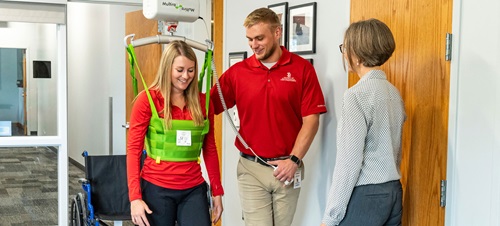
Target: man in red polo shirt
279	101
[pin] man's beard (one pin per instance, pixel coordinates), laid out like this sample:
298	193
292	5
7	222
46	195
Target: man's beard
268	54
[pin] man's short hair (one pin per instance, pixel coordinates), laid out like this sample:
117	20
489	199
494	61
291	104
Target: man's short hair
262	15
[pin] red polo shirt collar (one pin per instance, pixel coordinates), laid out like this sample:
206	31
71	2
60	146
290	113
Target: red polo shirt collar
284	59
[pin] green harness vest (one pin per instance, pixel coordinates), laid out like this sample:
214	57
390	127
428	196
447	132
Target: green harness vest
161	143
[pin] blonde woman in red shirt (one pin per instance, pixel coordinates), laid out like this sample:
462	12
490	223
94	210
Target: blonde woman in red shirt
174	123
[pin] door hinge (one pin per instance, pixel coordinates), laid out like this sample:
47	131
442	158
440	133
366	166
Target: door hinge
442	197
449	39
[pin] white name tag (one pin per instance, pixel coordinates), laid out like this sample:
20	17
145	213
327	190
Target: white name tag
183	138
297	179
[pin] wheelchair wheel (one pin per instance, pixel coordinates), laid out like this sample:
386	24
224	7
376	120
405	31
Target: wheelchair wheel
76	212
83	201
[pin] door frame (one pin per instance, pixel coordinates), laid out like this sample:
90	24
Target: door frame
218	36
451	176
25	87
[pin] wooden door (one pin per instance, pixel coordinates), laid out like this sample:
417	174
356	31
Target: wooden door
419	70
25	117
148	56
218	37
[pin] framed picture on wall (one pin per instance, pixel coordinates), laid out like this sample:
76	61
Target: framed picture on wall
235	57
281	9
302	28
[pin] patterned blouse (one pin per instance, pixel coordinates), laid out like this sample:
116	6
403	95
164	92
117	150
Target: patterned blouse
368	141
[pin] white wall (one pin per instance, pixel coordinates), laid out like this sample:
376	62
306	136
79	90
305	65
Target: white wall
474	137
96	72
332	20
47	88
41	44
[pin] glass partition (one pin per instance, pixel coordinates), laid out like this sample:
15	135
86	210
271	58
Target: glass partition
28	79
33	114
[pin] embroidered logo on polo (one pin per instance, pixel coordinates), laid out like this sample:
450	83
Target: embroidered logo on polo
288	78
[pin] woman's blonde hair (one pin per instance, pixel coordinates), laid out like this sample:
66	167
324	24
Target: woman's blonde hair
163	82
371	41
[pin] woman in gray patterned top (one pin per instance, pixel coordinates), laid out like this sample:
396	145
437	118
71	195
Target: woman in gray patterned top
366	190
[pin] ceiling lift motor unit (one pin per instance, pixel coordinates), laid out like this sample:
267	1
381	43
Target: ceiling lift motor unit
171	10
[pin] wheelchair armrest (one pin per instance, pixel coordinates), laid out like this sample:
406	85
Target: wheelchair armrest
83	181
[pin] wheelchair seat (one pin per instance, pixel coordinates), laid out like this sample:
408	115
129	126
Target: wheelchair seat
107	176
105	195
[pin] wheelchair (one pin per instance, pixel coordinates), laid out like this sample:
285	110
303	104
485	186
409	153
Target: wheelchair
105	192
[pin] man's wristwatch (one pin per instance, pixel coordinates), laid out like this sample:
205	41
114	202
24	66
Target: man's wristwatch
295	159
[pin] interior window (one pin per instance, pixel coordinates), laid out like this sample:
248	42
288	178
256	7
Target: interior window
28	79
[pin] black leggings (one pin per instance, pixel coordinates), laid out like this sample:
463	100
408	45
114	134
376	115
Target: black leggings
186	207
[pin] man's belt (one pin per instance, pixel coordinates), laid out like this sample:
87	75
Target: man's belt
262	161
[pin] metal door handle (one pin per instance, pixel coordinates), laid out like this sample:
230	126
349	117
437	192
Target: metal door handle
126	126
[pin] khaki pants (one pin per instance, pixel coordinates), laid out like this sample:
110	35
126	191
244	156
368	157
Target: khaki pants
264	200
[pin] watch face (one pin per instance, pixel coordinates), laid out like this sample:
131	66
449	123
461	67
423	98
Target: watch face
295	159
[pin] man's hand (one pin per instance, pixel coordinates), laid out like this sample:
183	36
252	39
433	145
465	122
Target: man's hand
217	208
137	212
285	171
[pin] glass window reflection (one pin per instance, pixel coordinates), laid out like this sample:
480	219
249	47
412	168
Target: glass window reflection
28	79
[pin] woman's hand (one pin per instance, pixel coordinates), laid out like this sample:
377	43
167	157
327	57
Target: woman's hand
217	208
137	209
322	224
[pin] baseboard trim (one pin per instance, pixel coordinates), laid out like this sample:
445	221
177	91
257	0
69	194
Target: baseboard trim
72	161
77	164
